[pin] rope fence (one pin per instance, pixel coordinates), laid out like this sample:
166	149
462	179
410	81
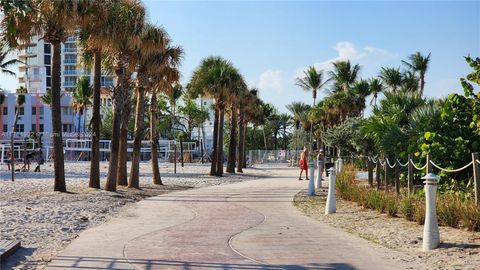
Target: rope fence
396	164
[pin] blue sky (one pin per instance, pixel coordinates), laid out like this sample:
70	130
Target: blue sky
272	42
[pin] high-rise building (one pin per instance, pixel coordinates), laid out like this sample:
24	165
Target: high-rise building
35	71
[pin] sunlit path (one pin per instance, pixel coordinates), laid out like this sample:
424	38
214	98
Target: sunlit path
249	225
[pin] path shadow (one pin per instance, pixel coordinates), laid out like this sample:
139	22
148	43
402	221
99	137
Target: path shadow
20	255
73	262
458	245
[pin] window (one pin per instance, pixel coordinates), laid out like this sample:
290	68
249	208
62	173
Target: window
67	111
49	81
48	70
34	127
67	128
5	128
19	128
34	110
47	48
47	59
5	110
41	127
41	110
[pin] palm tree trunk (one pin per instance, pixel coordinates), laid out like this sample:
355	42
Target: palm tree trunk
244	163
220	143
12	145
137	142
232	153
422	84
95	156
241	138
58	161
213	167
122	175
157	180
264	137
79	123
119	100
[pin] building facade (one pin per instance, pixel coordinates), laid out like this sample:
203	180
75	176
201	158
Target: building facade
35	71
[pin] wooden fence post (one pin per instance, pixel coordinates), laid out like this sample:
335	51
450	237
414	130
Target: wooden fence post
377	173
476	177
386	174
410	175
370	172
429	165
397	177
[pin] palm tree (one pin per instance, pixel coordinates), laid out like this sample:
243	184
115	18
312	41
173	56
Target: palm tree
237	93
176	91
20	101
344	75
285	123
410	82
299	111
82	96
419	63
53	21
92	21
312	81
248	106
4	63
153	57
376	87
123	26
215	77
391	77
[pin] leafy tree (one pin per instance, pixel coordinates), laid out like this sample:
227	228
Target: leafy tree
391	77
193	115
4	63
82	99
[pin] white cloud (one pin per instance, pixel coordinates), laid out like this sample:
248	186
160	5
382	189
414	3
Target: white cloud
366	56
272	80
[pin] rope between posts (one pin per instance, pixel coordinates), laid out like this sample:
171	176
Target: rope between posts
383	164
478	161
451	170
415	166
389	165
402	165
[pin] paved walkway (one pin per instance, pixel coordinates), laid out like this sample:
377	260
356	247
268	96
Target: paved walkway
248	225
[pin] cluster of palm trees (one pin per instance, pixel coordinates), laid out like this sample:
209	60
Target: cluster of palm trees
347	93
117	34
218	79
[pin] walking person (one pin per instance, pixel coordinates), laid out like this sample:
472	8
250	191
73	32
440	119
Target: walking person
304	163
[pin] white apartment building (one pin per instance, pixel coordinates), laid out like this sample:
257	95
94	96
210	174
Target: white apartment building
208	125
35	73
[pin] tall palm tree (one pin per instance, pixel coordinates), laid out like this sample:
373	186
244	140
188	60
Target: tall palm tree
285	123
215	77
176	91
82	99
237	93
248	106
155	55
410	82
20	101
312	81
123	27
419	63
344	75
92	22
376	87
53	21
299	111
5	64
391	77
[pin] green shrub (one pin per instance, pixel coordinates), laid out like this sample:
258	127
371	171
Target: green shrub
419	212
407	207
375	201
391	205
470	216
449	210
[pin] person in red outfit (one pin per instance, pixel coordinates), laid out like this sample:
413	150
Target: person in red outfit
304	163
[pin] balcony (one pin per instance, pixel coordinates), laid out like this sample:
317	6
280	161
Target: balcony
26	53
68	84
71	39
70	50
70	61
34	77
70	72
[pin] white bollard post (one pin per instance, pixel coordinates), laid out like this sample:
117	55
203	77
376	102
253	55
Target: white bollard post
339	165
431	235
331	206
311	182
319	173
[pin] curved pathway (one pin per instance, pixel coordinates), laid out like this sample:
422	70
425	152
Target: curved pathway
248	225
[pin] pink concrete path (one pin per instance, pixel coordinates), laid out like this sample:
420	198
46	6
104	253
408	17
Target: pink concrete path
248	225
